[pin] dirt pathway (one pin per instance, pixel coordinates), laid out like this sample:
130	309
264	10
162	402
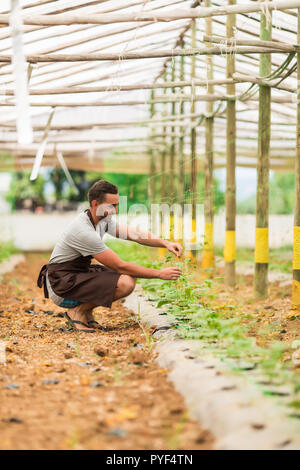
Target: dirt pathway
66	390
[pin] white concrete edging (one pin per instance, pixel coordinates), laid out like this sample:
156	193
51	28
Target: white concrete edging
234	411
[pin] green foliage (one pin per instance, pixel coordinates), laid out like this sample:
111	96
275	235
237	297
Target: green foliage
6	250
281	196
132	186
219	196
280	259
22	188
220	330
282	193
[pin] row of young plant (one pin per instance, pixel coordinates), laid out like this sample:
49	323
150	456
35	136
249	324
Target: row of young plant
220	329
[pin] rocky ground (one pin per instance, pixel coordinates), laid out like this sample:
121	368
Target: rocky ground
61	389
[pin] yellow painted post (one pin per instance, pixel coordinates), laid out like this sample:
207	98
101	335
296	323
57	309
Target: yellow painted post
263	164
208	246
181	165
230	199
192	253
296	247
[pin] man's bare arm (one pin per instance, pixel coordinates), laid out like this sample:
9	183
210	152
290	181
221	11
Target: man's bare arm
148	239
110	259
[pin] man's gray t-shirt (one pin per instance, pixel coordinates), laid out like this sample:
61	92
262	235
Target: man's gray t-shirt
79	239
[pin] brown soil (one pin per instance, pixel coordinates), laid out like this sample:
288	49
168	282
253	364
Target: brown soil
268	319
110	393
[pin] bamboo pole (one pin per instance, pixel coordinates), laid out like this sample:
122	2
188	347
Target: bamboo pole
296	247
179	14
192	254
152	172
230	243
163	179
262	199
163	175
181	160
143	86
157	54
181	166
101	35
208	246
229	42
160	99
172	183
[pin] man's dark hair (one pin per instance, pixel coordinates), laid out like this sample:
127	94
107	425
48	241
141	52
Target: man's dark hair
100	189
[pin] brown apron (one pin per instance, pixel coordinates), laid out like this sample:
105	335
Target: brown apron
79	280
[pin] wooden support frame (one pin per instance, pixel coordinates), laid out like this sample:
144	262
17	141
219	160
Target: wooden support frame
172	156
192	253
296	245
152	163
230	195
208	246
193	13
262	198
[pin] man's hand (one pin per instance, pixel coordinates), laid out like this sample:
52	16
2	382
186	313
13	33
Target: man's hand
174	248
169	274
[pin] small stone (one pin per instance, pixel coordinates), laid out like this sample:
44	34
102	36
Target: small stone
16	298
117	432
176	411
68	355
101	351
39	327
228	388
258	426
48	312
96	384
12	386
71	346
50	382
138	356
15	341
84	364
13	420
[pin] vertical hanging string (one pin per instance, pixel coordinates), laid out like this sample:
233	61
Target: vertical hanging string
20	73
41	149
63	164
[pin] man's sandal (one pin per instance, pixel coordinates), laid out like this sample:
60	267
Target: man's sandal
95	324
74	322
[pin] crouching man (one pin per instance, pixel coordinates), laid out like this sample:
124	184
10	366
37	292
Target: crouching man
72	282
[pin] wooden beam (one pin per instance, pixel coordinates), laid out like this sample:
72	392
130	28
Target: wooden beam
158	99
230	195
232	42
179	14
117	88
262	196
208	246
296	245
157	54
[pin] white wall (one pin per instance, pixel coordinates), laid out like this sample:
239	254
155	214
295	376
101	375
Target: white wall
41	231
